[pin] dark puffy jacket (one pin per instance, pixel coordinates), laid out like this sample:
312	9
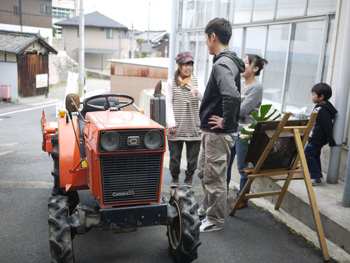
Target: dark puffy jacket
322	132
222	95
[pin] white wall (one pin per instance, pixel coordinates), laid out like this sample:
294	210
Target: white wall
8	76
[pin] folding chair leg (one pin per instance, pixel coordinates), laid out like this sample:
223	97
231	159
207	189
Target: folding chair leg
284	190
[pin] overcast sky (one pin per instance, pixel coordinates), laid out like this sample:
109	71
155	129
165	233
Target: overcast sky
128	12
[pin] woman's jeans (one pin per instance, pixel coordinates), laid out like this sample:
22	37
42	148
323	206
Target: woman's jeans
240	150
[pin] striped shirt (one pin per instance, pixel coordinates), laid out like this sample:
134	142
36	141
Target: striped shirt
183	111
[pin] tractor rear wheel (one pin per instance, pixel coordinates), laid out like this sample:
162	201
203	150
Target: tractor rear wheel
61	245
183	233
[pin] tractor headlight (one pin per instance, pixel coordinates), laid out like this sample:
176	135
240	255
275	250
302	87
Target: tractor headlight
110	141
153	139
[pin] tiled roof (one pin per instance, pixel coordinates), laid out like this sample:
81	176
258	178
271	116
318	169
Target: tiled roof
94	19
153	35
15	42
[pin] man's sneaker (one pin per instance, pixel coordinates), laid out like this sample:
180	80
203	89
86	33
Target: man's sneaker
316	181
208	227
201	217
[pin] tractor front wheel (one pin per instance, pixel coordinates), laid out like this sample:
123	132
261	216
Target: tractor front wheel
61	245
183	233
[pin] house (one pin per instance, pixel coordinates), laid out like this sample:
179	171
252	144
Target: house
104	39
149	43
24	64
30	16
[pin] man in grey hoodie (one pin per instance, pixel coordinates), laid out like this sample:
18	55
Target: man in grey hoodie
219	113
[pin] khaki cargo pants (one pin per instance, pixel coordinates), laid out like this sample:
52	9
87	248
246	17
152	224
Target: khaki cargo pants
214	158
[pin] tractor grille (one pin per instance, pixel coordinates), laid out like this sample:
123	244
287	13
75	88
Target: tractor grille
124	134
130	178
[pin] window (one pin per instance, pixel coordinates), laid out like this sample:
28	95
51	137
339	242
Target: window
225	9
42	9
236	41
290	8
285	32
45	9
188	13
316	7
255	39
209	11
273	72
60	12
109	32
200	13
192	37
202	56
16	10
302	67
328	51
264	10
243	11
183	45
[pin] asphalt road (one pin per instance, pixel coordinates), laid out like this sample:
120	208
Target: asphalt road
253	235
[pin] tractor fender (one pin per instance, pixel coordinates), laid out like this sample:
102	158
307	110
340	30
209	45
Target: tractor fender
72	173
47	130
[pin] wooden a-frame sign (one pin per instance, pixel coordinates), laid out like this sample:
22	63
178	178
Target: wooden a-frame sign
277	148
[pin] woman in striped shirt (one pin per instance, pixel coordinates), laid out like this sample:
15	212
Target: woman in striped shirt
183	96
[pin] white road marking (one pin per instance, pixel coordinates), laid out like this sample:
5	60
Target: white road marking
8	144
34	108
4	153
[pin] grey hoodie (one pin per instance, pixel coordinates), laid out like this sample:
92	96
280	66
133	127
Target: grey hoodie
222	94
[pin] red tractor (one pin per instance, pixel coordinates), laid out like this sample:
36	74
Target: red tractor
118	155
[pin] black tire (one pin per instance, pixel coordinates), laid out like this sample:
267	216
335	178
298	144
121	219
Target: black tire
183	234
61	245
73	196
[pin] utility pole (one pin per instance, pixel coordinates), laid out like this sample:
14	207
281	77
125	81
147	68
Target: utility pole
20	12
81	50
149	18
132	41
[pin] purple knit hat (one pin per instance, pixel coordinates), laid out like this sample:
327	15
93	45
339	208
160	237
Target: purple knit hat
184	57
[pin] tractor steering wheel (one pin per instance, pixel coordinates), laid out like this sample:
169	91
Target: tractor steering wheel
108	98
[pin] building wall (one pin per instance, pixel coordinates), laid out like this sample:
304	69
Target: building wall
31	13
96	38
8	76
32	20
132	79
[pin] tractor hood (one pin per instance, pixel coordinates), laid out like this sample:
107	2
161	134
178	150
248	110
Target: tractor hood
106	120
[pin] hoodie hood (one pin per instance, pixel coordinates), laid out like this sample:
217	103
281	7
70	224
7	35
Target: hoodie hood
233	56
327	106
